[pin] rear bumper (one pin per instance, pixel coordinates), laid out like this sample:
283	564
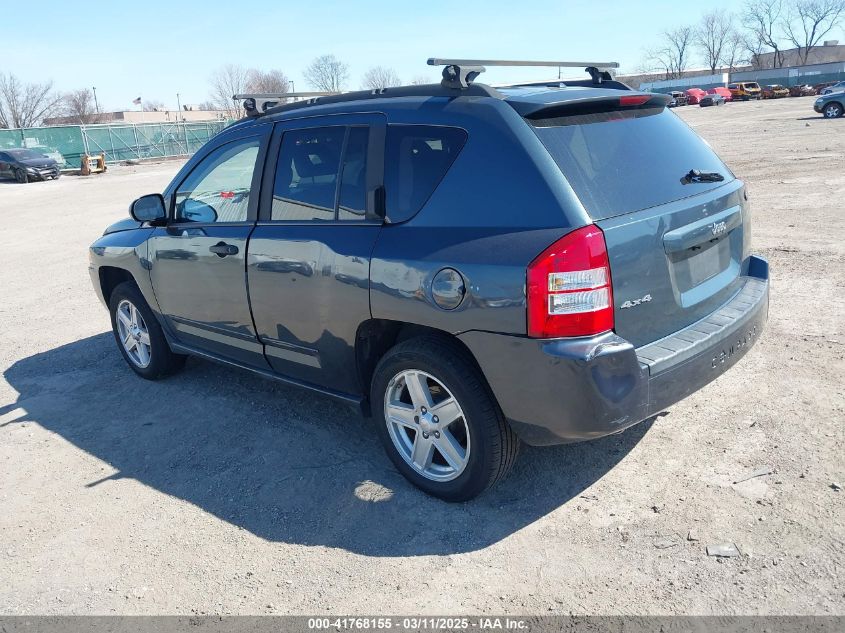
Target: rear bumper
568	390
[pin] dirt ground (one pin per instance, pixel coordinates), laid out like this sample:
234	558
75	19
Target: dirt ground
218	492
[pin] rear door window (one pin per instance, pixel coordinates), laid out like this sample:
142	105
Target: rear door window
417	158
622	161
306	174
352	203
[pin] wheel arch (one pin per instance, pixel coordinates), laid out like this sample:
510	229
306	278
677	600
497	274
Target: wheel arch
375	337
111	277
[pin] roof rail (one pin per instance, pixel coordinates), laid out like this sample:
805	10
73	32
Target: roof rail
258	104
426	90
459	73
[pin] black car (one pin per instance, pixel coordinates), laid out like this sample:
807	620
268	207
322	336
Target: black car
711	100
25	165
473	267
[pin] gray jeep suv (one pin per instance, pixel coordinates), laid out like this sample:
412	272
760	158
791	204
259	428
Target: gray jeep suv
472	267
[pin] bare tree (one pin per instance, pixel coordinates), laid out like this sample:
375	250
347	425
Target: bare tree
680	41
763	19
79	106
421	80
207	105
327	73
25	105
153	105
659	61
808	21
229	80
379	77
271	81
711	36
753	48
734	51
671	59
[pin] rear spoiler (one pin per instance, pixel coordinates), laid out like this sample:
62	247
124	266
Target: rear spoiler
589	104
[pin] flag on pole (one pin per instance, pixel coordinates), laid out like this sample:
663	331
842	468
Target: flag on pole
137	101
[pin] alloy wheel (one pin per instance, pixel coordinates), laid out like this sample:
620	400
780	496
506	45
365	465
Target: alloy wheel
833	111
427	425
133	333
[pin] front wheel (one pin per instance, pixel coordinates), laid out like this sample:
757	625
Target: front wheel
139	336
438	420
21	176
832	111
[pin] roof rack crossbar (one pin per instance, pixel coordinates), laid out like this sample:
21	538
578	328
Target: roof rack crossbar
438	61
257	104
459	73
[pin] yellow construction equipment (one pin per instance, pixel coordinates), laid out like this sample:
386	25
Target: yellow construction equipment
95	164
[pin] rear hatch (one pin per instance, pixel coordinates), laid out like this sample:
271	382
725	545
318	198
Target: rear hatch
672	213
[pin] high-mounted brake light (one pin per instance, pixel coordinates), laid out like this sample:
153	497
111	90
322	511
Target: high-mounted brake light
633	100
569	287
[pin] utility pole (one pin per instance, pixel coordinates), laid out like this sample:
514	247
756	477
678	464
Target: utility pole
96	105
292	87
178	107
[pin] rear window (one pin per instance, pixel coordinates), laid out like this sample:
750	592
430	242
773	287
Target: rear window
416	159
620	162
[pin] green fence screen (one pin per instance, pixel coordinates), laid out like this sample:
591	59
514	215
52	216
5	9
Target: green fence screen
125	141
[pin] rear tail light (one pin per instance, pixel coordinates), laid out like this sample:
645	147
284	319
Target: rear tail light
633	100
569	287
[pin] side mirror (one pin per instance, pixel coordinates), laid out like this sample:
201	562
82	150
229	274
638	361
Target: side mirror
149	208
198	211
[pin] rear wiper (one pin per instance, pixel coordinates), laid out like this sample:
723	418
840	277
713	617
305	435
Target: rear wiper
702	176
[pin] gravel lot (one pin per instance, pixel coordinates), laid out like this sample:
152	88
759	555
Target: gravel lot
218	492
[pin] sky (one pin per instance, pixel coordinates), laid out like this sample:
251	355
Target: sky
155	50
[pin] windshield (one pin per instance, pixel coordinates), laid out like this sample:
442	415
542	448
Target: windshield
623	161
24	154
752	87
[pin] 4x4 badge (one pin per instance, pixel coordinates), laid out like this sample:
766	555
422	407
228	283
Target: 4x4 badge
636	302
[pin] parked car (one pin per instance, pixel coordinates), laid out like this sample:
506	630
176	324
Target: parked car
831	105
775	91
837	87
819	88
24	165
330	244
711	100
722	91
694	95
805	90
745	90
678	98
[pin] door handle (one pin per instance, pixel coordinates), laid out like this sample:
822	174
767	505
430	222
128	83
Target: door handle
221	249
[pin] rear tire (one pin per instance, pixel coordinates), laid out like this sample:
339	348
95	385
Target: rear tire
478	446
139	336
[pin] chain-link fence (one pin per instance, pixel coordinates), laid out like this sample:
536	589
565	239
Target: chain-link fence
119	141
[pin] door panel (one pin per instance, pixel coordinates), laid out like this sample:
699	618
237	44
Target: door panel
309	288
203	295
309	279
198	262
